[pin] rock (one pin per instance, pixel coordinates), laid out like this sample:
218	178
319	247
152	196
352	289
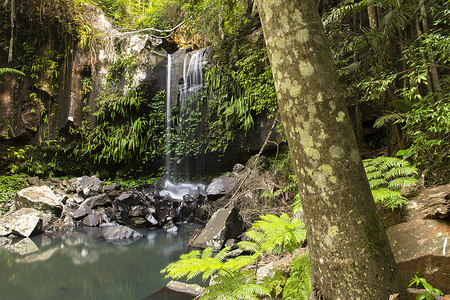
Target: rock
81	212
226	223
151	219
77	198
61	195
238	168
95	201
220	186
137	221
137	211
113	194
91	220
420	245
89	186
24	222
34	180
126	199
120	232
170	227
110	187
40	198
190	289
430	203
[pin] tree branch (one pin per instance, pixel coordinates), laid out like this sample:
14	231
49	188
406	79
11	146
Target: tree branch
170	31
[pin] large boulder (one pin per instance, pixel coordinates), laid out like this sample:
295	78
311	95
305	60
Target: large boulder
422	245
120	232
430	203
40	198
221	186
99	200
23	222
226	223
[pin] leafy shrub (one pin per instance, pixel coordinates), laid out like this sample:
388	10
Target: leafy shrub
9	185
388	176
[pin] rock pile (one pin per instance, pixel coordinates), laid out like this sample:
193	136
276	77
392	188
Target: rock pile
59	204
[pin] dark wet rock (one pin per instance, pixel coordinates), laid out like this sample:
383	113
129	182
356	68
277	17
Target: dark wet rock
113	194
221	186
170	227
226	223
186	211
419	245
201	215
91	220
120	232
24	222
95	201
137	222
126	199
137	211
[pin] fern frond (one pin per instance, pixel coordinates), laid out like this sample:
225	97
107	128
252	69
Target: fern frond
401	171
377	182
402	182
374	175
249	246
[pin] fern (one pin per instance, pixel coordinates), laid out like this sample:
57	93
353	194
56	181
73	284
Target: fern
271	234
298	285
388	176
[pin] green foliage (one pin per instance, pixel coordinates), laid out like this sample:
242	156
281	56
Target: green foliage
431	292
388	176
9	185
298	285
232	277
273	234
239	90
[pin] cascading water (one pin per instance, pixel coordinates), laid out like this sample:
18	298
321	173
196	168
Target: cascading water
168	114
190	118
184	154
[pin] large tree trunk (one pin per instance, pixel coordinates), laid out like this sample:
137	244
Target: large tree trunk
350	254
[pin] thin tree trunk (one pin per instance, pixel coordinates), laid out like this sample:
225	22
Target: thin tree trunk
373	20
433	68
11	41
419	36
350	254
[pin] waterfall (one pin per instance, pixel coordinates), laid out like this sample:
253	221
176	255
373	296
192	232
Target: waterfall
183	156
168	115
188	153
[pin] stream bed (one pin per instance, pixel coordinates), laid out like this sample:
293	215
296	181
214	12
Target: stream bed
82	265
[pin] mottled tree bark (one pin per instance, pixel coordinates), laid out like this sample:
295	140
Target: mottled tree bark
350	254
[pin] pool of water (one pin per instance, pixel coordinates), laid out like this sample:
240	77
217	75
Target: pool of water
82	265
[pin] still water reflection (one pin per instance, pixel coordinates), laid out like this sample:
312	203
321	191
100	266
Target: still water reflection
82	265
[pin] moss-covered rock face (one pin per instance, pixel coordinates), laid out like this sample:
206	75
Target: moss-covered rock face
349	251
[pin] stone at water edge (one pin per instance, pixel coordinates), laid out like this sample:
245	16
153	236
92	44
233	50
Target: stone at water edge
91	220
225	223
23	247
120	232
23	222
424	246
38	197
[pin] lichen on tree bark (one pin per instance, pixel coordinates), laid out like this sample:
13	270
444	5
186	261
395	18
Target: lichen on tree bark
350	254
